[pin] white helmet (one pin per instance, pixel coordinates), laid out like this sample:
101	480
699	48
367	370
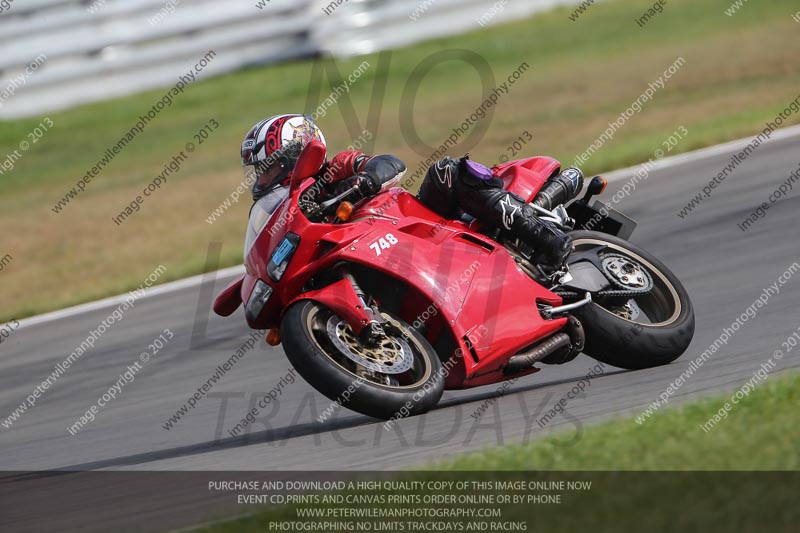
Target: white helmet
272	147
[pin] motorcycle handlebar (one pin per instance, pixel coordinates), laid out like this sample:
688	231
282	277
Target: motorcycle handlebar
314	210
334	202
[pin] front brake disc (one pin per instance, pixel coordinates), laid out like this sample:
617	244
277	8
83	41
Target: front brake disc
390	355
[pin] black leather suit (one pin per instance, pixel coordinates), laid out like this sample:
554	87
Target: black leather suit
454	186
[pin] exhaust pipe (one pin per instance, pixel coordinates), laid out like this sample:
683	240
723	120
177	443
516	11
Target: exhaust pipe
566	347
525	360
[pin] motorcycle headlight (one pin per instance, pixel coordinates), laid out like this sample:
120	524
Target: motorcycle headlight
258	299
281	256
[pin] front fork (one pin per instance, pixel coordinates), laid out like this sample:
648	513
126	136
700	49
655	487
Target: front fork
346	298
373	330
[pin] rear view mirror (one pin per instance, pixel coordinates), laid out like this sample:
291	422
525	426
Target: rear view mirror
308	164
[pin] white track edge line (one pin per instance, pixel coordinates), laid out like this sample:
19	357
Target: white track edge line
113	301
703	153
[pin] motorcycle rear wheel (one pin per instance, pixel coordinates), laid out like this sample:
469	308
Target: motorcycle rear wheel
664	323
372	380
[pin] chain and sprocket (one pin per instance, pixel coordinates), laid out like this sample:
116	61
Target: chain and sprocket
627	277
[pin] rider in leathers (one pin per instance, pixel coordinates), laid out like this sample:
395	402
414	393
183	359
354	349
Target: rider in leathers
451	186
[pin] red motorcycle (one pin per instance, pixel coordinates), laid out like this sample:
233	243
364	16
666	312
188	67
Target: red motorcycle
382	305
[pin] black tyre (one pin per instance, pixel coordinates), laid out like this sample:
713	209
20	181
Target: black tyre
633	332
400	376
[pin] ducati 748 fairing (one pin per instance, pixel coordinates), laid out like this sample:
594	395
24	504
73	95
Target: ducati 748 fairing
383	305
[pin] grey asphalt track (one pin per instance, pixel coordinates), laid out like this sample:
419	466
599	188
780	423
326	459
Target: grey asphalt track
724	270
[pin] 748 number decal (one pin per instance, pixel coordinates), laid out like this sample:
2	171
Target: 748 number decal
384	243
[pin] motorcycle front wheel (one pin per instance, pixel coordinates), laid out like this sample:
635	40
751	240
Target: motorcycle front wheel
399	376
650	326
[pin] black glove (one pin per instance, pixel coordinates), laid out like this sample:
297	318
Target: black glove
366	186
377	172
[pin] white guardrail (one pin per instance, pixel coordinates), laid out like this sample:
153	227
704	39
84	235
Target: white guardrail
58	54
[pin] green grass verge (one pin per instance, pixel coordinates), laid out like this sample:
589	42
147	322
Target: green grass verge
740	71
759	434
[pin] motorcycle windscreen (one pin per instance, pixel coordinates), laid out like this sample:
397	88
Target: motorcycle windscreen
260	214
